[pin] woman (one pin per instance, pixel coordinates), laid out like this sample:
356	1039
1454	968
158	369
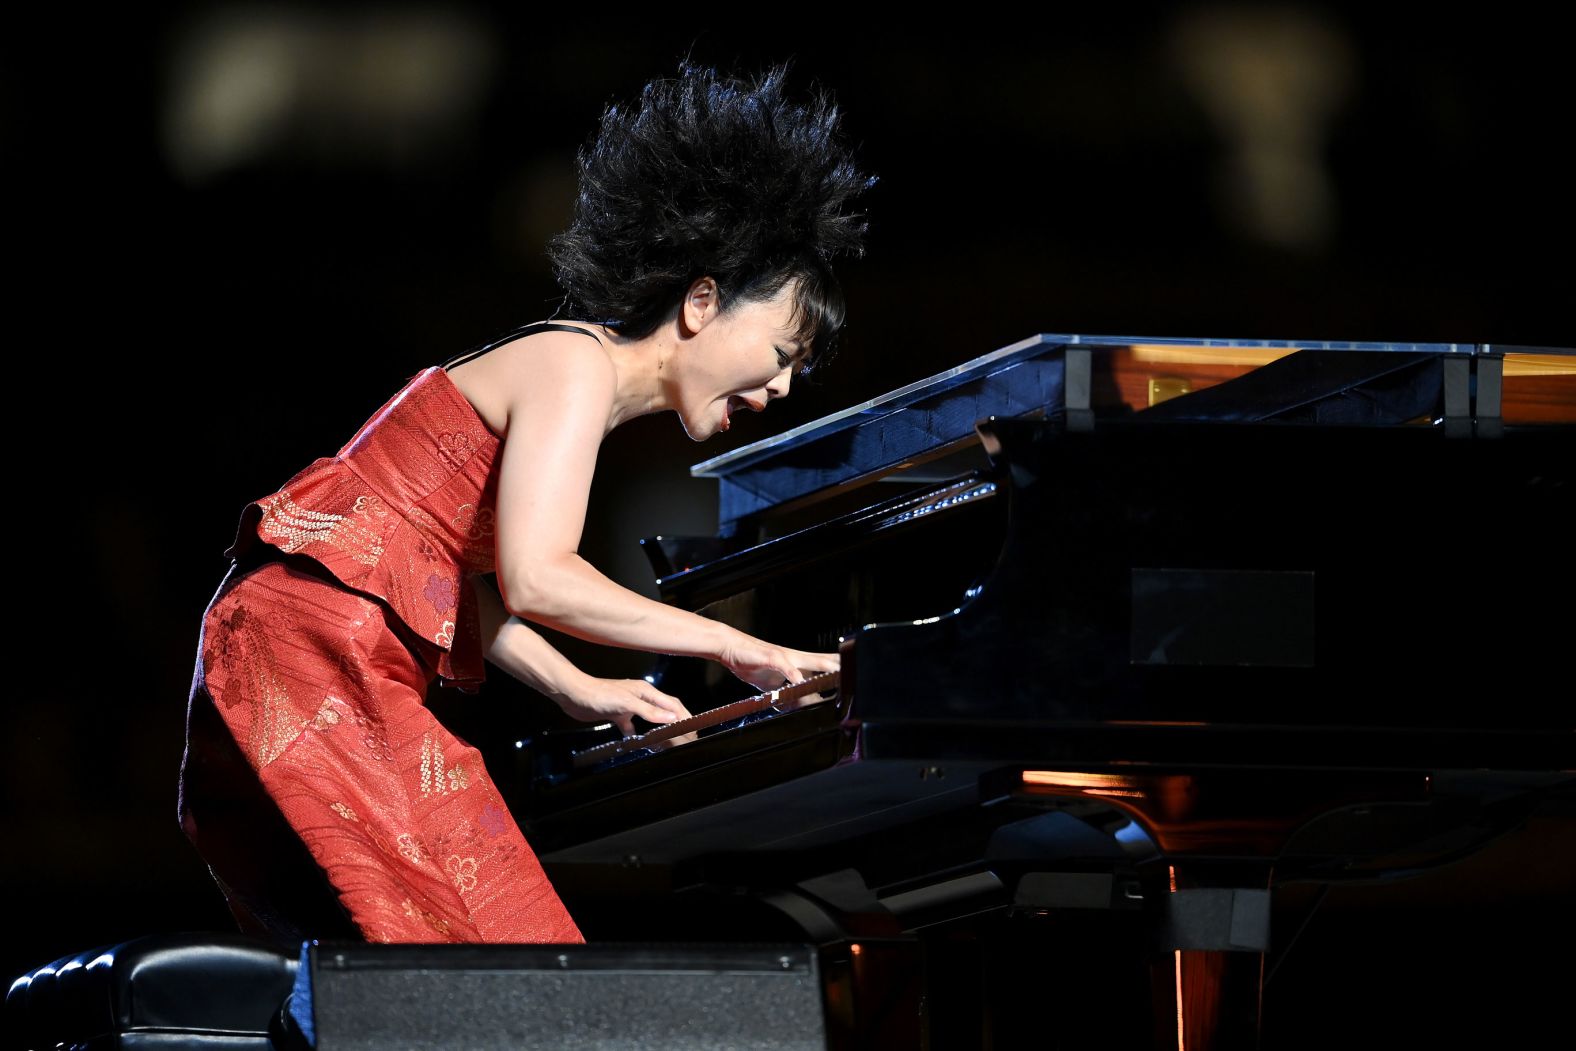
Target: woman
324	796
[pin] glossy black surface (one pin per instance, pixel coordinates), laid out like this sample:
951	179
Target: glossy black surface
1257	606
1305	628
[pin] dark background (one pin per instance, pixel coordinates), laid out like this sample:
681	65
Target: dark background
242	228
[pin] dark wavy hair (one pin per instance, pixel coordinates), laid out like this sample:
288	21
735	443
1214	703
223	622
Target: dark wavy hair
715	176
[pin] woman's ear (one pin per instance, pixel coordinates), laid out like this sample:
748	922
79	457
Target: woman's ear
701	303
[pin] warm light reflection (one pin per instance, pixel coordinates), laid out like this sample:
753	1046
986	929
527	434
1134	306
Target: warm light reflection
1076	779
1117	786
1171	873
1252	357
1181	1029
1540	365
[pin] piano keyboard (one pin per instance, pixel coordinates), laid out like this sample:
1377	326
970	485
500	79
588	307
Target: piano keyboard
814	690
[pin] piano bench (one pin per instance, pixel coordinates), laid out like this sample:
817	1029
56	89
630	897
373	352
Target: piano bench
173	992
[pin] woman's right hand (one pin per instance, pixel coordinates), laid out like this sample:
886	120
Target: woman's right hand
618	701
768	667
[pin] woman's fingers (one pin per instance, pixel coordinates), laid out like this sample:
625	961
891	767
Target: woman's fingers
816	663
789	671
670	707
802	665
622	701
650	704
655	713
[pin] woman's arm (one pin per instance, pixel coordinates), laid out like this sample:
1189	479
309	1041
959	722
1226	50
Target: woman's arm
513	646
560	406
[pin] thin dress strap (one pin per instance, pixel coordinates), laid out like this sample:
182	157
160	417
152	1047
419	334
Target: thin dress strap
524	330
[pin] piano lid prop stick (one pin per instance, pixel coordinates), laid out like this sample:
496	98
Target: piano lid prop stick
799	695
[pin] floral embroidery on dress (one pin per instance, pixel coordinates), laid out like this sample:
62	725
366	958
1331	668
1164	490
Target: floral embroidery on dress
456	839
410	849
280	621
443	592
464	872
370	505
435	780
456	447
344	811
437	923
444	636
326	714
423	518
247	661
297	527
373	736
476	523
230	651
493	820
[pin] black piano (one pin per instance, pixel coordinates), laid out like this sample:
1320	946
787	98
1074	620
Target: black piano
1144	641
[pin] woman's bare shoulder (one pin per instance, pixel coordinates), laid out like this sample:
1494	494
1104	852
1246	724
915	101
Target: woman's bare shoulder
494	382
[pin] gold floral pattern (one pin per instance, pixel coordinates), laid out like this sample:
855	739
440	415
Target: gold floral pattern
429	526
437	923
456	448
292	527
326	714
464	872
344	811
435	780
475	522
411	849
249	671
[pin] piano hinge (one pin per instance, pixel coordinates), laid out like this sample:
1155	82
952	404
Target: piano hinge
1488	395
1458	395
1077	384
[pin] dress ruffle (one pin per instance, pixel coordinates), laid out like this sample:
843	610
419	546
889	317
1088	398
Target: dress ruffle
404	513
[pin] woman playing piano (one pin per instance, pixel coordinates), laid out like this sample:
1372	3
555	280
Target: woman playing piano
323	794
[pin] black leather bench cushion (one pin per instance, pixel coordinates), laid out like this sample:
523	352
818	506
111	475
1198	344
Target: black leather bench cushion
168	991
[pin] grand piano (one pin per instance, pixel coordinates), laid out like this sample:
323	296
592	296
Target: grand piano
1141	639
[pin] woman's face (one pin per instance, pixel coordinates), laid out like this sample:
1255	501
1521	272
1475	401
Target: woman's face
728	363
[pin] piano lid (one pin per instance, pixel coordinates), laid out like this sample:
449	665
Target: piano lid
1080	379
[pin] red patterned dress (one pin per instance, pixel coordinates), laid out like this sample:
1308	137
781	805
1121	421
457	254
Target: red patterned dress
307	723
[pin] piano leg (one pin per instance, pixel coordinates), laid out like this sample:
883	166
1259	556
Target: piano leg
1208	978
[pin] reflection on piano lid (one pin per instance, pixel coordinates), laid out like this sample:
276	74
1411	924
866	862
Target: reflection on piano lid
1078	379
